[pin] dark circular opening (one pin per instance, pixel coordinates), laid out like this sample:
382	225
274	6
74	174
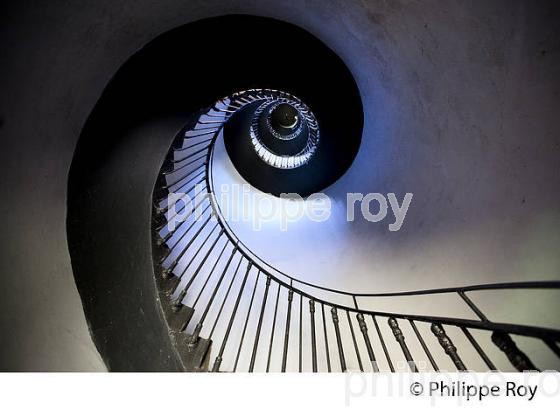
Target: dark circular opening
284	117
335	105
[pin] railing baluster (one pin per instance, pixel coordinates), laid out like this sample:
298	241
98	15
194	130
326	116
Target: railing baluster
196	333
202	134
220	355
218	315
203	261
423	344
338	339
187	246
215	116
173	170
354	341
194	145
383	345
246	321
273	328
167	221
313	339
170	233
326	338
399	337
287	331
169	187
209	276
300	331
364	330
517	358
212	128
209	121
192	154
179	300
259	326
182	187
448	346
182	192
478	348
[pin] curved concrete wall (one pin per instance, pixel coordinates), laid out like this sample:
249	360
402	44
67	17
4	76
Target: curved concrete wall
460	110
474	86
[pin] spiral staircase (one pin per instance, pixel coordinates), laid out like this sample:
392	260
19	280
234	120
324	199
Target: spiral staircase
228	310
211	295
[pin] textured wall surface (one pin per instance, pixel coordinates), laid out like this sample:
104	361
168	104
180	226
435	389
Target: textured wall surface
461	102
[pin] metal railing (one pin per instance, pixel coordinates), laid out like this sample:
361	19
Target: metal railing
216	292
